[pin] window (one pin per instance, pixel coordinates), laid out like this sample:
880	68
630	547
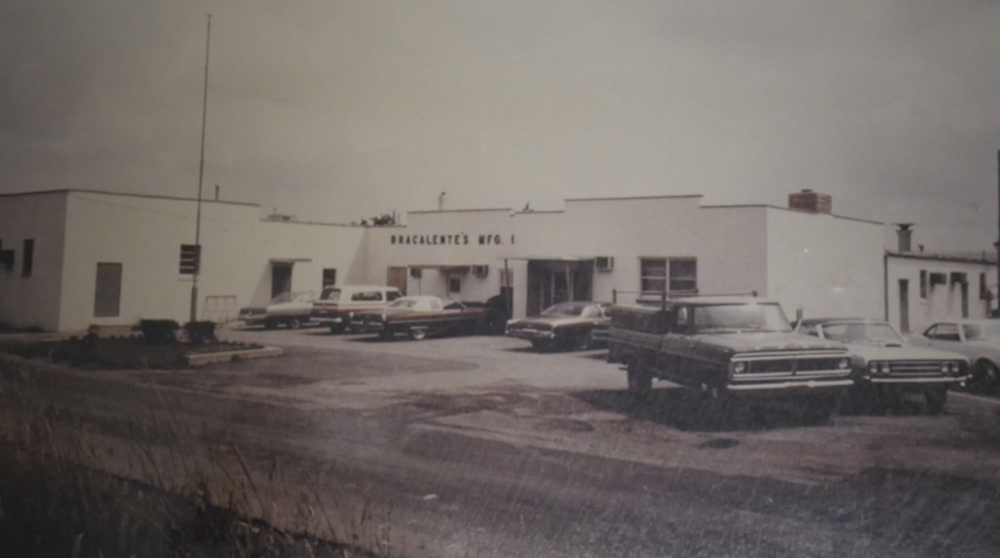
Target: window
674	275
984	289
943	332
367	296
107	296
392	295
7	260
454	284
28	257
923	284
329	277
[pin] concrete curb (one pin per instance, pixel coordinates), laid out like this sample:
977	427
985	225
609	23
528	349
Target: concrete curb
229	356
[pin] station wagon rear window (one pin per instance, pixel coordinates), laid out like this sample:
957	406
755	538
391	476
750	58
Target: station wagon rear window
367	296
330	294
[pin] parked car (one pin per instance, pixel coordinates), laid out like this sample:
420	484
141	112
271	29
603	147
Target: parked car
291	309
886	366
338	304
979	340
422	316
568	325
728	348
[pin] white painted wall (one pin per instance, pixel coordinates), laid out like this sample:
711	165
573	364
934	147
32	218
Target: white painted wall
145	235
830	266
33	301
943	301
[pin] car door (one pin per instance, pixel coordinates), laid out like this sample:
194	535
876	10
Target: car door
674	347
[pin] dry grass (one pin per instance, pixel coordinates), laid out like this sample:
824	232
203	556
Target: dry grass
69	490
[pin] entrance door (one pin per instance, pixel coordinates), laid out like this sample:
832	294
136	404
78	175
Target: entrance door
107	296
904	305
281	279
965	299
396	277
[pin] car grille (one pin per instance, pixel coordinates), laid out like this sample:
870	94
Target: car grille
915	368
804	365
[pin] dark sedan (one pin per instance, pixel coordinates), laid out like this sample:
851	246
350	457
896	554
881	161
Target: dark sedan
421	316
568	325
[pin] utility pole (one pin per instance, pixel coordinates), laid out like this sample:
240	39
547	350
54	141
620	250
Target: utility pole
201	175
997	244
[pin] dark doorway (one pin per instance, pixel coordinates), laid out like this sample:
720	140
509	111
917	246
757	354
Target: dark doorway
397	278
329	277
552	281
107	298
965	299
904	305
281	279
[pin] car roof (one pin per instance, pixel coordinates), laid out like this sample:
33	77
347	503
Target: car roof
827	321
965	321
421	297
710	300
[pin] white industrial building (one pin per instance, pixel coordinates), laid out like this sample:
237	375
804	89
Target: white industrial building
75	258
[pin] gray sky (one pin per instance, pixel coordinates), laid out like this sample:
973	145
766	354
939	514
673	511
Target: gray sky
341	109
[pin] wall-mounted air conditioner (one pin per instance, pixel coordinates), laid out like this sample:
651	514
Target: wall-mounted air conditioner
480	270
416	272
604	263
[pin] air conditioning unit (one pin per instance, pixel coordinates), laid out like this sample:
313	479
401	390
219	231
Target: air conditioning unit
604	263
416	272
480	270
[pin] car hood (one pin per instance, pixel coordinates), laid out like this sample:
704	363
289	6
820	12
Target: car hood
869	352
765	342
552	321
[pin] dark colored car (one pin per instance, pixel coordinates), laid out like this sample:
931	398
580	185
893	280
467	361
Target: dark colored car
567	325
422	316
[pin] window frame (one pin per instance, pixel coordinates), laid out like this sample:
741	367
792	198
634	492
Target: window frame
669	280
28	257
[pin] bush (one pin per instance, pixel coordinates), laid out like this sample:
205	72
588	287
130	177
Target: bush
159	332
200	333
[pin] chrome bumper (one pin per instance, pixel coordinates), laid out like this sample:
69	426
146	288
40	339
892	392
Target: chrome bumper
800	385
531	334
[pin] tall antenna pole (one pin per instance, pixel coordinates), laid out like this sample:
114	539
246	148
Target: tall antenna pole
201	175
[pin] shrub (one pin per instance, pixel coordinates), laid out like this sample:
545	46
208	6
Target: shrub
159	332
200	333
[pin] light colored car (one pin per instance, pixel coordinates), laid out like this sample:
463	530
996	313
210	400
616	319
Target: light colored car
979	340
338	304
568	325
422	316
291	309
886	366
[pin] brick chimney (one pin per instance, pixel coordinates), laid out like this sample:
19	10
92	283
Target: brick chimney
905	234
810	201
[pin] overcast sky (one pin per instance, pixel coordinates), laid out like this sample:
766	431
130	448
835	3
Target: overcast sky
336	110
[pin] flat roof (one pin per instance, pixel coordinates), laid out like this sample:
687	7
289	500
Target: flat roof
628	198
989	259
125	194
770	206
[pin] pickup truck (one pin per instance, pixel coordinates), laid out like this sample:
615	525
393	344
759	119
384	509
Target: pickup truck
727	348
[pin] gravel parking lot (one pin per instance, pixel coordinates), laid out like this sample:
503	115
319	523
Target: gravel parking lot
484	447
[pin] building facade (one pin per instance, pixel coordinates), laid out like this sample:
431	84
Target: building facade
69	259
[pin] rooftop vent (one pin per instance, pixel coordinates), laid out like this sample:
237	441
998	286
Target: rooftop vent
904	232
810	201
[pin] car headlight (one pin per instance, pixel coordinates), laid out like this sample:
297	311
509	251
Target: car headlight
945	367
885	368
739	367
844	363
873	368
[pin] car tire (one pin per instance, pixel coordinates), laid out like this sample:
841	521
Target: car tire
417	333
936	399
985	377
540	345
294	323
640	381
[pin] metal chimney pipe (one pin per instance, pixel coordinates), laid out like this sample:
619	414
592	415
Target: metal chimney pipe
905	235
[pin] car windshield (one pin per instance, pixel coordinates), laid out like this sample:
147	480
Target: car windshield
740	317
566	309
414	303
330	294
977	332
283	297
861	332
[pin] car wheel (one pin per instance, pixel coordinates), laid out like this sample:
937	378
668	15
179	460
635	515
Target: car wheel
541	345
294	323
418	333
640	381
936	398
270	324
985	377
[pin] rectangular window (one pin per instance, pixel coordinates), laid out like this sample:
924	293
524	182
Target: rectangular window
28	257
455	285
107	297
676	275
6	261
329	277
984	289
923	284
